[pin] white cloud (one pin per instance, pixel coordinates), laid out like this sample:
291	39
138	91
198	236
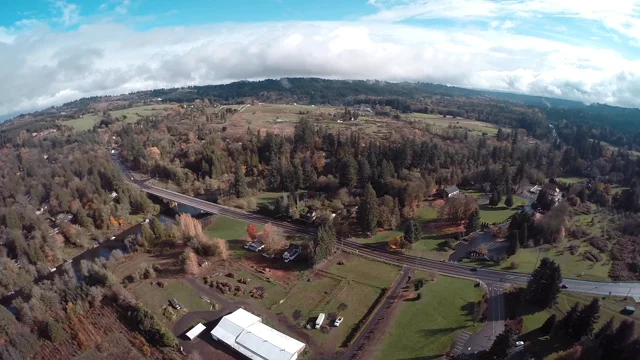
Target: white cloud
70	13
123	7
621	16
45	67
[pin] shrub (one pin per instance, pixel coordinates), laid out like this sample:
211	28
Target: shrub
53	331
513	265
601	244
297	314
342	307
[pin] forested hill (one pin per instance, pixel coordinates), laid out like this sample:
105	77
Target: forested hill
615	125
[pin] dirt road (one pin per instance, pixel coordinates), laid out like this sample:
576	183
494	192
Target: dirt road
377	323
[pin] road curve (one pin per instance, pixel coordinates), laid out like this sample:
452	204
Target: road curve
445	268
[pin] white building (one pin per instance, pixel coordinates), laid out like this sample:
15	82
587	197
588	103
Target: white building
197	330
246	333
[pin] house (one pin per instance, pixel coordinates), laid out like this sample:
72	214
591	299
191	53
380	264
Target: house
245	333
292	252
552	189
60	218
309	216
254	245
197	330
536	189
450	191
351	209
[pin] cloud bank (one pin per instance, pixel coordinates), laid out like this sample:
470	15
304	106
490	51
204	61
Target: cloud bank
41	67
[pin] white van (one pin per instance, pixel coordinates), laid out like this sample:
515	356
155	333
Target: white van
320	320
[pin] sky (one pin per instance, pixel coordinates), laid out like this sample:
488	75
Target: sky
54	51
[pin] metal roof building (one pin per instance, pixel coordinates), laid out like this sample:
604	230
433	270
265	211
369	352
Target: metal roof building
193	333
246	333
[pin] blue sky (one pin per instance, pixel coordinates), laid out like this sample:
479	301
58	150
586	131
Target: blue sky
52	51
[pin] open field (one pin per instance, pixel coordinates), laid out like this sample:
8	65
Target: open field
347	290
573	266
274	291
570	180
155	298
426	328
423	216
232	230
84	123
500	213
135	113
473	125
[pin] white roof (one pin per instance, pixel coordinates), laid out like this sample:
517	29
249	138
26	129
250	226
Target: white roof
191	334
247	334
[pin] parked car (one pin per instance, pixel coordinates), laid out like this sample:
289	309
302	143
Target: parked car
175	304
113	238
338	321
519	343
254	246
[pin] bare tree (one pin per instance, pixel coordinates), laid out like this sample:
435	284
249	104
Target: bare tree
191	262
272	238
190	227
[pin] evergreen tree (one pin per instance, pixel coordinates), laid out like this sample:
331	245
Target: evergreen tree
607	329
298	174
544	285
367	211
524	235
544	200
309	175
586	319
566	324
158	230
240	182
548	325
494	200
147	235
508	202
324	243
500	135
503	344
632	350
473	222
412	232
395	216
349	172
514	243
364	172
515	138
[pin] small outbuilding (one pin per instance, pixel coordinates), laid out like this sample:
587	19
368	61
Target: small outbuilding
450	191
195	331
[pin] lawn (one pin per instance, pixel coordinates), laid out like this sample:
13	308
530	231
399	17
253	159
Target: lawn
85	123
570	180
135	113
308	296
232	230
427	328
500	213
423	217
154	297
573	266
373	273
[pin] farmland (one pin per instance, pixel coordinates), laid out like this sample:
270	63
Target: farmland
130	115
155	298
427	327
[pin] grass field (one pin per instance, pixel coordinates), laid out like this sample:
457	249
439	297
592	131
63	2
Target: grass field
570	180
232	230
473	125
370	272
573	266
500	213
85	123
426	329
155	297
423	216
135	113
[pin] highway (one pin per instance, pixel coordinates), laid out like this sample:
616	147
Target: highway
446	268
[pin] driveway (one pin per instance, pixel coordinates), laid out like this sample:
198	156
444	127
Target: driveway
496	315
484	238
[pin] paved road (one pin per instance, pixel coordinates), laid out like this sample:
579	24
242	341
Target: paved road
445	268
496	315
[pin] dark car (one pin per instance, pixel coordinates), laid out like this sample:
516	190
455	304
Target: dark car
563	286
474	269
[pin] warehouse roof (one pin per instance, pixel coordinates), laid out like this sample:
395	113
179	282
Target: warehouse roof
247	334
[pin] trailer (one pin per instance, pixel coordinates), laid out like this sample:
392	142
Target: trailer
195	331
319	320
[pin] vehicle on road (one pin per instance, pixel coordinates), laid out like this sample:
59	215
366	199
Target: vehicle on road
519	343
254	246
474	269
338	321
320	320
563	286
113	238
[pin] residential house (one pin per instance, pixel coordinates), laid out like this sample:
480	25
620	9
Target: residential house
450	191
